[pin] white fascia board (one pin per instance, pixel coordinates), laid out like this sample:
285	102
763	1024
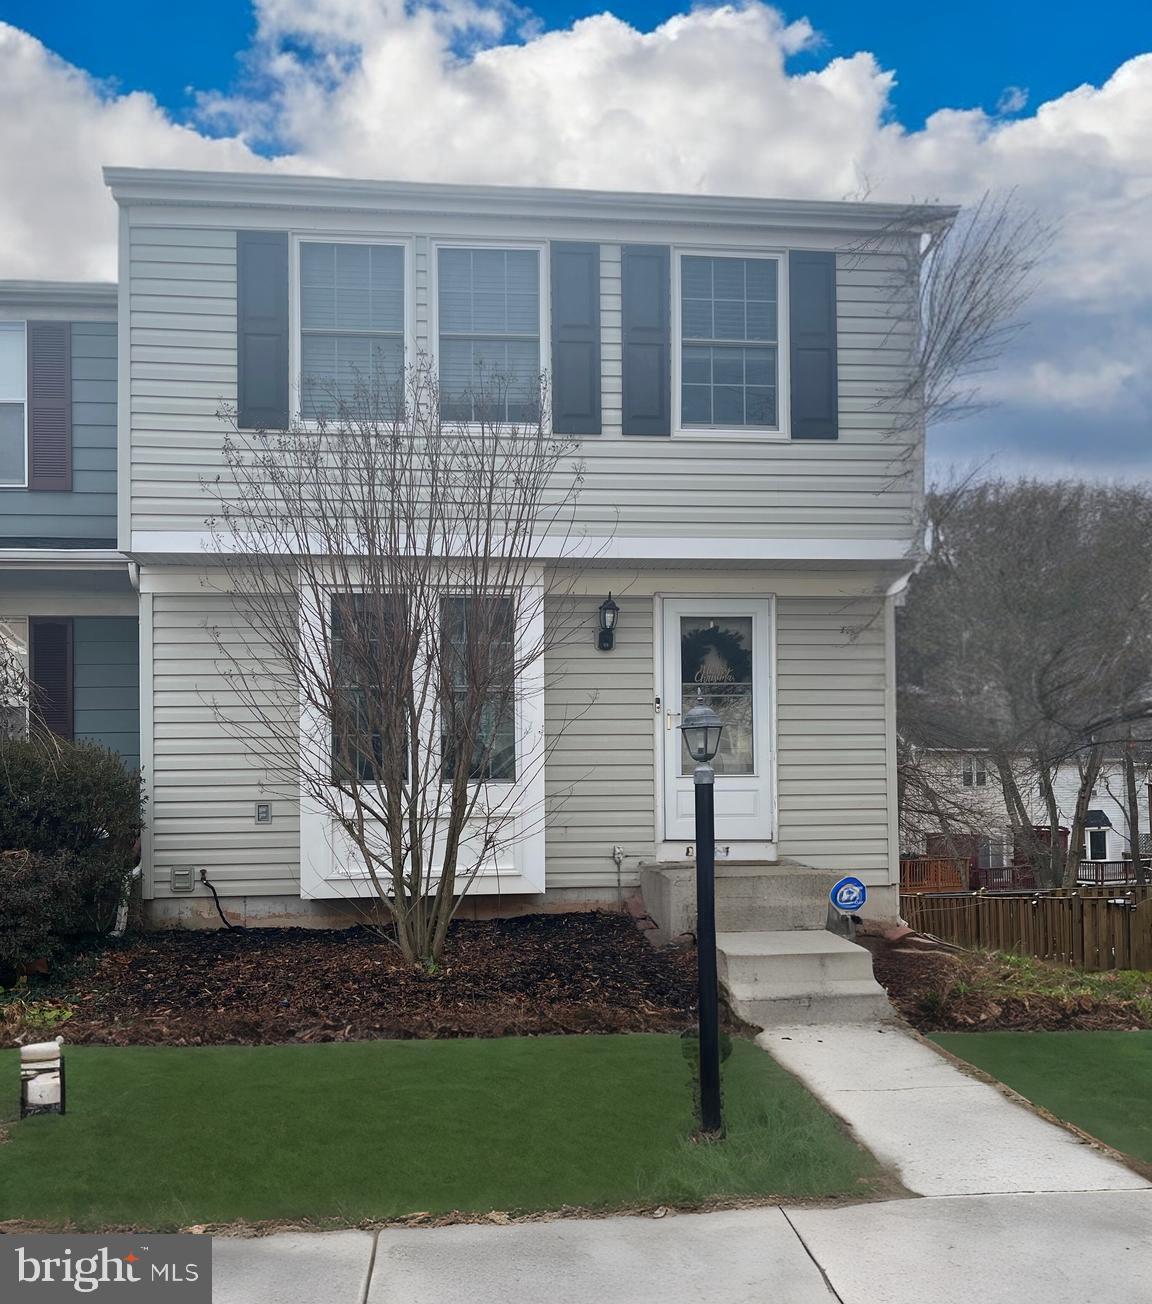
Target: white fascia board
158	544
82	300
63	559
162	186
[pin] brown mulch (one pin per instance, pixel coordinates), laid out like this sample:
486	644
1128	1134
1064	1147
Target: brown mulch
559	973
942	989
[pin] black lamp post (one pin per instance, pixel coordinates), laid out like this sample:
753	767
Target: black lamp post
701	729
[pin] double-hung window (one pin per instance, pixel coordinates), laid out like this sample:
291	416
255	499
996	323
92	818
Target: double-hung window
729	342
974	772
488	307
478	706
13	405
351	330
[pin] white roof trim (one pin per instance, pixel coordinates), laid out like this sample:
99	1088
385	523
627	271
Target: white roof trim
62	559
59	294
277	190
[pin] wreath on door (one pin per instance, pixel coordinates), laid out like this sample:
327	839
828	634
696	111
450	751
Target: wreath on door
728	646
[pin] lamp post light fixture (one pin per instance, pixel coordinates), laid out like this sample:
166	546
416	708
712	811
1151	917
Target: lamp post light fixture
701	729
609	614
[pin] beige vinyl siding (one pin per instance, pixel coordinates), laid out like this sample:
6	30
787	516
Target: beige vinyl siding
832	762
182	336
208	765
601	767
611	343
862	486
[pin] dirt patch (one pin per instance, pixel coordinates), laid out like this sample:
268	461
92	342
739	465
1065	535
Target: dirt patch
945	990
565	973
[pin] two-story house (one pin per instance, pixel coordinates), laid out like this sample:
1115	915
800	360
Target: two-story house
68	606
724	364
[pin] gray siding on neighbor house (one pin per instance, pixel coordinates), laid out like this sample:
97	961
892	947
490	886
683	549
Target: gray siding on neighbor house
106	683
863	485
88	512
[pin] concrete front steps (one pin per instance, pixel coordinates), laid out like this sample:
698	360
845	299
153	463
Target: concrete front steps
777	960
799	976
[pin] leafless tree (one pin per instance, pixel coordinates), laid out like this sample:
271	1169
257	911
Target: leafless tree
1028	635
954	290
1125	786
389	564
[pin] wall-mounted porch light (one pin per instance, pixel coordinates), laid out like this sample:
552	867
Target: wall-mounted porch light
42	1078
609	614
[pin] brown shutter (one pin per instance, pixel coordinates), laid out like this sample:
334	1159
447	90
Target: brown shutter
50	405
50	672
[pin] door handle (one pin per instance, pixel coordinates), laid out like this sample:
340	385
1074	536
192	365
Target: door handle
669	716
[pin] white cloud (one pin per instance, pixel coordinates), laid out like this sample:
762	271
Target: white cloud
1013	99
471	90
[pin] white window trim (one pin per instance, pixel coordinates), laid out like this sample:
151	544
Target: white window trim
23	484
295	321
779	431
540	247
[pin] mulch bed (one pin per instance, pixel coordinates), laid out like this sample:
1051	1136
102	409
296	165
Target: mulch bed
561	973
940	990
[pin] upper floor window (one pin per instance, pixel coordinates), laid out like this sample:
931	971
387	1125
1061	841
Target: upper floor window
729	342
488	303
974	772
13	395
351	329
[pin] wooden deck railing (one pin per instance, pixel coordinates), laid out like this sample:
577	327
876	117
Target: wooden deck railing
934	874
1008	878
1102	873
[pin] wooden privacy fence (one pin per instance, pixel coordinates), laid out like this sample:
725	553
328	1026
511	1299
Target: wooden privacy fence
1091	929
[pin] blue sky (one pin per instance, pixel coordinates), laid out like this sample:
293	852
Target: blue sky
944	55
902	101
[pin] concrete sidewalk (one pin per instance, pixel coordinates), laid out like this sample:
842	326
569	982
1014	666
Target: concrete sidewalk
989	1249
1017	1211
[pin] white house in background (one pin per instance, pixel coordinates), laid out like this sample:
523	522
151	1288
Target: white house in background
724	364
969	778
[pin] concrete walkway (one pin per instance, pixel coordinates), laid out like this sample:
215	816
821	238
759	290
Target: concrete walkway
946	1132
1018	1211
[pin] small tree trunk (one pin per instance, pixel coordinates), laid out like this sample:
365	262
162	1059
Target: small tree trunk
1089	773
1133	814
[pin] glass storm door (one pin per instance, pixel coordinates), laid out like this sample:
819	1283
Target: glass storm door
718	651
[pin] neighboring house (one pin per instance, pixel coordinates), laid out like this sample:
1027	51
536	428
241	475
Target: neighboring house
724	363
970	783
67	604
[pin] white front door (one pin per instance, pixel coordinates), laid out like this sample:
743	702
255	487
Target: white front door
719	650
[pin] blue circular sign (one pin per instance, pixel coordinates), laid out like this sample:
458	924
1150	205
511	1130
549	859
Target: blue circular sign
848	895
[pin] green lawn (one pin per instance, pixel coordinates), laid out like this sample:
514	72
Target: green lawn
160	1136
1101	1081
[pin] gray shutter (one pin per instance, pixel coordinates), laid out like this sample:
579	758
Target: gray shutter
50	406
575	338
647	338
50	673
262	329
812	344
